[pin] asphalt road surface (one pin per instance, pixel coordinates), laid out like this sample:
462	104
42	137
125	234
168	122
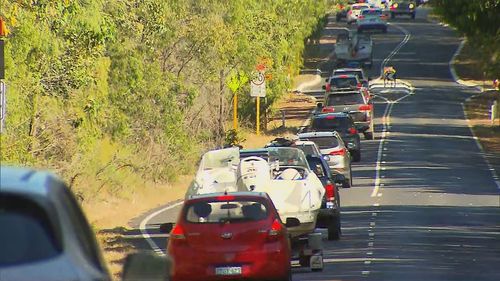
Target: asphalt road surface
424	205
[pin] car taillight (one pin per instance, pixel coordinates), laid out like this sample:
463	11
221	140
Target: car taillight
276	230
365	107
411	6
339	152
327	109
330	191
359	85
225	198
328	87
361	17
352	131
177	233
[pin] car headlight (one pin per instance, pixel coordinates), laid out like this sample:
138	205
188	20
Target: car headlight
411	6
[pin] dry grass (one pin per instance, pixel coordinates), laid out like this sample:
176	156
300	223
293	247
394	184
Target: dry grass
478	112
111	218
468	64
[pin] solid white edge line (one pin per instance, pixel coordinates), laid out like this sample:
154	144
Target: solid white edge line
145	221
462	83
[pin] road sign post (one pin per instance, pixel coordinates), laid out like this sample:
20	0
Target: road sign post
258	90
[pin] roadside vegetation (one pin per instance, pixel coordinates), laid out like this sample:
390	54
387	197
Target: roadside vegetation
479	22
115	95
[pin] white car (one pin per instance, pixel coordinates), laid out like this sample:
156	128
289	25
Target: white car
332	145
372	19
355	11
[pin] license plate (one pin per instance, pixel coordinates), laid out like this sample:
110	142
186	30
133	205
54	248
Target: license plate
233	270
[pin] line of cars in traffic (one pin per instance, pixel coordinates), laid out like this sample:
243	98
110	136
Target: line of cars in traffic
250	212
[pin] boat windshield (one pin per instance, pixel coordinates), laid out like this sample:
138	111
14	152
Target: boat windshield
288	156
220	158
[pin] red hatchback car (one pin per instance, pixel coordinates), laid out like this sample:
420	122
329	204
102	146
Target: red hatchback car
231	236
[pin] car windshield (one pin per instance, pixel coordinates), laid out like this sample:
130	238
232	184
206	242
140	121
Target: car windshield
324	142
344	99
232	210
338	124
288	156
348	82
26	232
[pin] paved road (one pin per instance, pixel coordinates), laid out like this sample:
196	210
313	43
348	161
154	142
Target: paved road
424	205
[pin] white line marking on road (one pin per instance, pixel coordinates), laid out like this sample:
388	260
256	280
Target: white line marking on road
379	195
365	272
369	253
370	244
368	262
387	113
146	235
371	234
376	205
374	214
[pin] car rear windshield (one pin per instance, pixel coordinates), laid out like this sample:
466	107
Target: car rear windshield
338	124
232	211
350	82
347	98
359	7
369	12
323	142
358	74
26	232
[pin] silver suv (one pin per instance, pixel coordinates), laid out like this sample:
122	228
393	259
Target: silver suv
337	155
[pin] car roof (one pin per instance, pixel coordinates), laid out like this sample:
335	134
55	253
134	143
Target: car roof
303	142
27	181
336	114
236	194
318	134
347	69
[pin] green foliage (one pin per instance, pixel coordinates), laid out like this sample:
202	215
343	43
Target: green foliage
115	93
479	21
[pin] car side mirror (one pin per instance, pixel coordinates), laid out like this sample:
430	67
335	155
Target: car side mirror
319	105
323	87
147	266
326	157
166	227
292	222
326	80
339	179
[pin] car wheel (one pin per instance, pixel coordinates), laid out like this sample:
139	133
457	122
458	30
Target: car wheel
368	135
356	155
393	15
348	181
334	229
